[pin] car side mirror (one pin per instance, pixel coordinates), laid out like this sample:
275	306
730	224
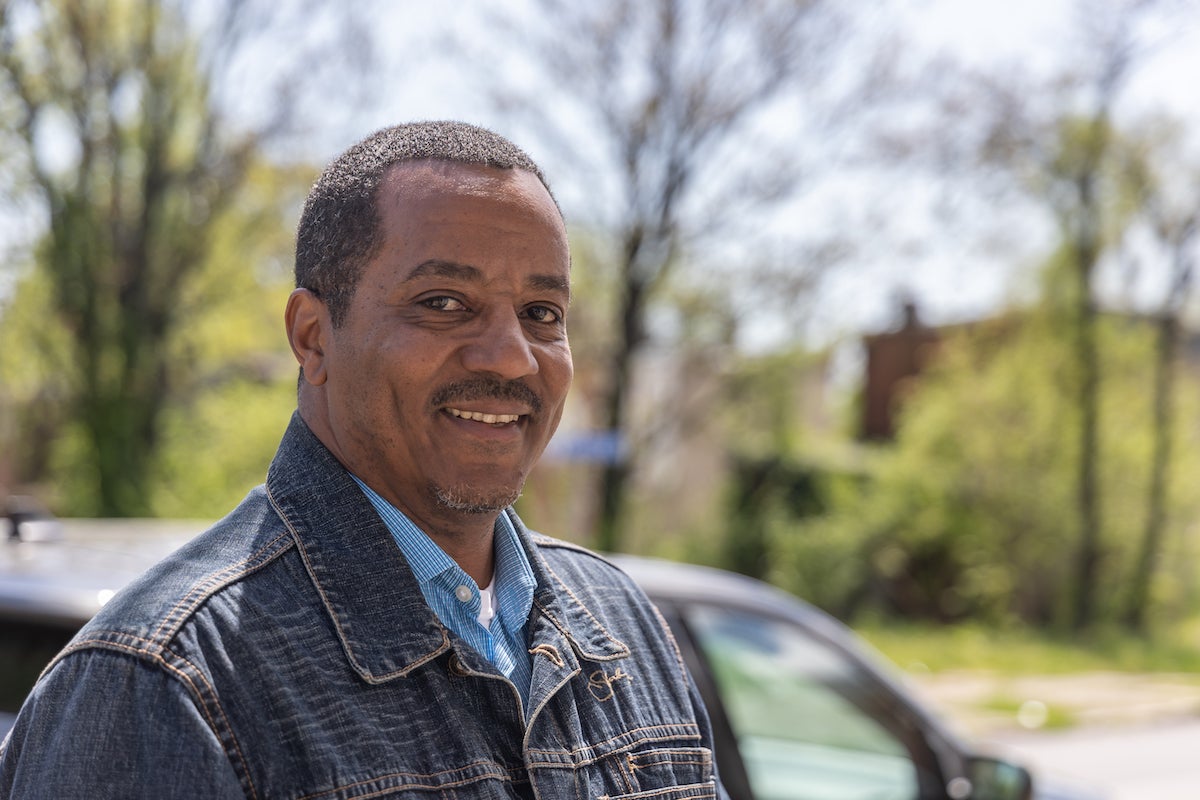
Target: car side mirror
992	779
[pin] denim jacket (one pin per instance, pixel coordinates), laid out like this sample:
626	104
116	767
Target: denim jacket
287	652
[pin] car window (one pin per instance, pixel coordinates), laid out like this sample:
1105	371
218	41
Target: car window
25	650
797	709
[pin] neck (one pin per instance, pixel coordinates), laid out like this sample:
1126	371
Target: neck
476	555
469	539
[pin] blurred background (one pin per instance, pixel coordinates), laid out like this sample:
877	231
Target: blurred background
888	303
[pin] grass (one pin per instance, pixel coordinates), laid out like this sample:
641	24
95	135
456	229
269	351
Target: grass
1037	680
1023	651
1032	714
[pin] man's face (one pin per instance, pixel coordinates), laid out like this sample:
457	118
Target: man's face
448	376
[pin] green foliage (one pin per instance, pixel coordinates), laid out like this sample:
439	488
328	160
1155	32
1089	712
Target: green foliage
237	373
820	558
143	165
216	449
972	513
34	382
232	373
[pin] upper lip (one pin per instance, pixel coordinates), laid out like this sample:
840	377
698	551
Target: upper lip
487	397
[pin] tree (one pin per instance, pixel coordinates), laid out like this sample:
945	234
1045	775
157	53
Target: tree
1169	212
672	98
115	110
1080	206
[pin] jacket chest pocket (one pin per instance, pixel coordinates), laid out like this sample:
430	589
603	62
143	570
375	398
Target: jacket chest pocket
666	773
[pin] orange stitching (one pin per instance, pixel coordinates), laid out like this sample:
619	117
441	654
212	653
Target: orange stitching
591	616
184	677
662	621
706	789
202	590
671	755
660	733
600	683
489	775
212	692
363	672
550	652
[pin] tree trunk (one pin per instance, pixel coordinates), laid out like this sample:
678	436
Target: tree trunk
1087	497
614	478
1167	343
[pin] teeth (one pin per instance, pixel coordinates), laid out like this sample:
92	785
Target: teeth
490	419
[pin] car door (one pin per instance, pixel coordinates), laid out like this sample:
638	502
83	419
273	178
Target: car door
796	717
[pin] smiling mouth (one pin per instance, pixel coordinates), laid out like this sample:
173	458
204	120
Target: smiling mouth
489	419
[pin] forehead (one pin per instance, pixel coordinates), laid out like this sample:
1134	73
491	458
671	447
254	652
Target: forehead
441	208
427	183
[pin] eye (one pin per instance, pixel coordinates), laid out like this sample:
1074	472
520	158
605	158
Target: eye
544	314
443	303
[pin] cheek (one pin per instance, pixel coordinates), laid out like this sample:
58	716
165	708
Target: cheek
559	368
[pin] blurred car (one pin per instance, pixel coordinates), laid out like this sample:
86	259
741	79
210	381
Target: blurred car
801	709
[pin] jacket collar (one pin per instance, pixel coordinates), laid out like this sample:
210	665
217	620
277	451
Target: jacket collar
385	627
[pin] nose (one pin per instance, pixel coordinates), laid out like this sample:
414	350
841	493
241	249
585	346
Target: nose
501	347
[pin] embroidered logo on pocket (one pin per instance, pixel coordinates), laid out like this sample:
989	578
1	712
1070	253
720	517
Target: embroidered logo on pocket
600	683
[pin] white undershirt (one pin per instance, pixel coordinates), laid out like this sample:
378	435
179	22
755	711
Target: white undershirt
487	604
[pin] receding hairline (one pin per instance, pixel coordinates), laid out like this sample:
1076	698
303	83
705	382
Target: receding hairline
447	141
447	166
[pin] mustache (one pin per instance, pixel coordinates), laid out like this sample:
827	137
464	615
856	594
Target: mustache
489	389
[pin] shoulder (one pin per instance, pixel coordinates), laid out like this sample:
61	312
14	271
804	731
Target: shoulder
606	595
596	582
569	559
145	615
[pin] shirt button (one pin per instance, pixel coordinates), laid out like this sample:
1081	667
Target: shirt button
463	593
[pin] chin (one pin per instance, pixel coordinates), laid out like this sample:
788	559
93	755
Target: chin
475	500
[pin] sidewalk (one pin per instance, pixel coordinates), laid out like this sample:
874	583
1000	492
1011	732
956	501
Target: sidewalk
982	703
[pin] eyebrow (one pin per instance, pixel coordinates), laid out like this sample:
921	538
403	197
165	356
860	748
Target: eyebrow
465	272
445	269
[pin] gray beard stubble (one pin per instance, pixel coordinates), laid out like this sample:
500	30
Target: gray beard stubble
466	500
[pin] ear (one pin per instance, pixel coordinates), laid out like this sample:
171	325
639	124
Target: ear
308	329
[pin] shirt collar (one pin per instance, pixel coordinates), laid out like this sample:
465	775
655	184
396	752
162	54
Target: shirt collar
513	581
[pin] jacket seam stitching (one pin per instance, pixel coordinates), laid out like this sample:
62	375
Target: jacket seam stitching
662	621
505	775
686	730
153	651
202	590
567	589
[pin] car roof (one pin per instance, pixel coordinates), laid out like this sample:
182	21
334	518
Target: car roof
678	582
64	574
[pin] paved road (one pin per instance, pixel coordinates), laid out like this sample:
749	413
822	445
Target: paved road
1137	737
1155	761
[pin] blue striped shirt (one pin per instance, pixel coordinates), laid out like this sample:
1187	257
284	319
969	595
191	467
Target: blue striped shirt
442	580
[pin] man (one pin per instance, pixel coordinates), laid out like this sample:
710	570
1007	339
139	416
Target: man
375	621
